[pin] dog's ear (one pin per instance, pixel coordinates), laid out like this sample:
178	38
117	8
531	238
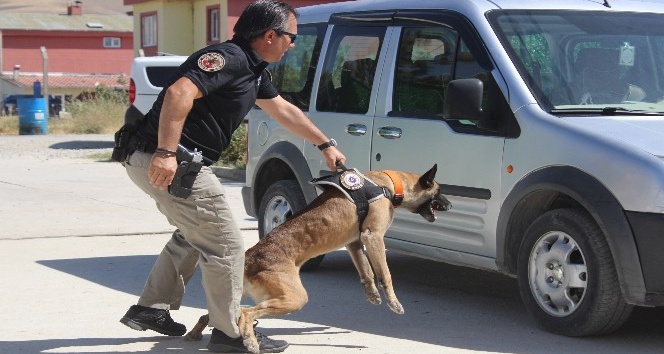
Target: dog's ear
426	180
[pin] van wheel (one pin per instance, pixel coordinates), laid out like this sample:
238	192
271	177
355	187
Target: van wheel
279	203
567	278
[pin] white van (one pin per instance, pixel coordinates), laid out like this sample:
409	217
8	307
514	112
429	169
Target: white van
148	77
546	120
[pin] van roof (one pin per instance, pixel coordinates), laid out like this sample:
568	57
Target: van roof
321	13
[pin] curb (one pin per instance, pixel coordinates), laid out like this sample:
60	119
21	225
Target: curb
235	174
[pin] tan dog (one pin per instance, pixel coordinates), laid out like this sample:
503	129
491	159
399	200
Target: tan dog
272	266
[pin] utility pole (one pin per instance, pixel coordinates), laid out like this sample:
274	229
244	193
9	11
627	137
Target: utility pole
45	71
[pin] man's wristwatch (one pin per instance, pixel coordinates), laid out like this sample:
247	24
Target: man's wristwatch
324	146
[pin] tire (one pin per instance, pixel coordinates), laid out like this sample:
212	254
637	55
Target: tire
280	202
567	278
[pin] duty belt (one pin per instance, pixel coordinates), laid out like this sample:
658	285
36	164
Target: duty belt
141	144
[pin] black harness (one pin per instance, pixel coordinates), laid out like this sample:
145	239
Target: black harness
356	187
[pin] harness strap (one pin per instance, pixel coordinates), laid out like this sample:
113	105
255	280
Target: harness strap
397	198
362	204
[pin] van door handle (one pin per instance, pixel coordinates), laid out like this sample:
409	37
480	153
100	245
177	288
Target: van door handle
390	132
356	129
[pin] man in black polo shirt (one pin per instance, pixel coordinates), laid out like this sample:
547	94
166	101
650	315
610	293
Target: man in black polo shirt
199	109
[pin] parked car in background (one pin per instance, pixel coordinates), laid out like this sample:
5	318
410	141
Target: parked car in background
148	76
546	120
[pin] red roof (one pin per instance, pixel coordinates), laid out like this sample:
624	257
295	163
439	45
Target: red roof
59	80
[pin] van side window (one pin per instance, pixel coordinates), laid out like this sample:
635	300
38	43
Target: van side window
499	119
424	67
427	60
293	75
349	69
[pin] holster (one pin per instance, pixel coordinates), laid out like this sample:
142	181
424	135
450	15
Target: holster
183	181
189	164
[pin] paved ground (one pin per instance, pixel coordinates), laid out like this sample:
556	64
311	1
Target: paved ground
78	240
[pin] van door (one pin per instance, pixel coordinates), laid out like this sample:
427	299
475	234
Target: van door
411	133
345	94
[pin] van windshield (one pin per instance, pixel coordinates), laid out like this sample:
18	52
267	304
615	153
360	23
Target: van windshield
588	61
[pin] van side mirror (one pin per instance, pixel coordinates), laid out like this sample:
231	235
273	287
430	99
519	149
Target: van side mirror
463	100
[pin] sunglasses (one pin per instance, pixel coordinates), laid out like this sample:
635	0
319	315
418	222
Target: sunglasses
292	36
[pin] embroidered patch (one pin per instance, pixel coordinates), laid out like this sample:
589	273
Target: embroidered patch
351	180
211	62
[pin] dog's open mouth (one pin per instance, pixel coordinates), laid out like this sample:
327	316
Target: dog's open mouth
428	210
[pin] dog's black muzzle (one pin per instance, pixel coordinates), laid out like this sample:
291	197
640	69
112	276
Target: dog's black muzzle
428	210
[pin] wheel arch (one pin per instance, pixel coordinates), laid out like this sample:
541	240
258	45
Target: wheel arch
561	187
281	161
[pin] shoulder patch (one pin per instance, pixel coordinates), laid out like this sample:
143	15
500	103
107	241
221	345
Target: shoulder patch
211	62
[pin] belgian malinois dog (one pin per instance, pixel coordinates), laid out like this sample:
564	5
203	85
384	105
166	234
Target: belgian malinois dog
272	266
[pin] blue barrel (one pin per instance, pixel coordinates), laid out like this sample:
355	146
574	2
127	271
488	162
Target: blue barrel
32	116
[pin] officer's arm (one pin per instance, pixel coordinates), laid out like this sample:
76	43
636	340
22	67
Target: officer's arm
293	119
178	101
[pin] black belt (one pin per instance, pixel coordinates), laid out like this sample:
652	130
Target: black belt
142	145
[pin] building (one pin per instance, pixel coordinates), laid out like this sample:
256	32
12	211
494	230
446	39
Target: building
181	27
68	53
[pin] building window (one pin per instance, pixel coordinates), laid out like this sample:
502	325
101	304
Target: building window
213	24
149	29
112	42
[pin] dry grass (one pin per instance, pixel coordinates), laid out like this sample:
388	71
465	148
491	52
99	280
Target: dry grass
9	125
89	117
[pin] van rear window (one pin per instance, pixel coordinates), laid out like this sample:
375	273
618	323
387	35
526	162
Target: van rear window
160	75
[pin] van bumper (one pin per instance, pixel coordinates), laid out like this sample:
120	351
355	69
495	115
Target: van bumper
648	230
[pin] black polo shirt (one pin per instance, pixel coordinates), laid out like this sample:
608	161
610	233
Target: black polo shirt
231	77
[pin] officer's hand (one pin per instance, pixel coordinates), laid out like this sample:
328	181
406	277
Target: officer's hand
161	171
332	155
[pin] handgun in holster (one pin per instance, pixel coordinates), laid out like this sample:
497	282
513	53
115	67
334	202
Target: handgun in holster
189	164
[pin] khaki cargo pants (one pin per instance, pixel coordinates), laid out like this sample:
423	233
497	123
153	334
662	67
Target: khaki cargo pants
207	235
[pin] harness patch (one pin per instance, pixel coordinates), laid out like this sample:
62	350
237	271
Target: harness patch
351	180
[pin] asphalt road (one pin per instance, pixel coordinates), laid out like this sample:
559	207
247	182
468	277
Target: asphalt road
78	240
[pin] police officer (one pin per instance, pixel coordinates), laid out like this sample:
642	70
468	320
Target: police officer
200	108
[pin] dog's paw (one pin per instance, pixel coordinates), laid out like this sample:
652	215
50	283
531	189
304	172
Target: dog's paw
373	296
251	344
396	307
191	336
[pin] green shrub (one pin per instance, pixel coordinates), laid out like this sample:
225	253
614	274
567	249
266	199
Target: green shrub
235	154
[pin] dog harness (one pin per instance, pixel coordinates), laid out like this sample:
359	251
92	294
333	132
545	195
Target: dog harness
356	187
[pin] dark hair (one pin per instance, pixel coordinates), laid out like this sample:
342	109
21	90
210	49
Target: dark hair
261	16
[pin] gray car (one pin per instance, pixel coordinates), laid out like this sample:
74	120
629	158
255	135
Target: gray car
546	122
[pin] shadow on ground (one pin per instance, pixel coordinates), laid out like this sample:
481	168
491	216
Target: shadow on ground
82	145
445	305
159	344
